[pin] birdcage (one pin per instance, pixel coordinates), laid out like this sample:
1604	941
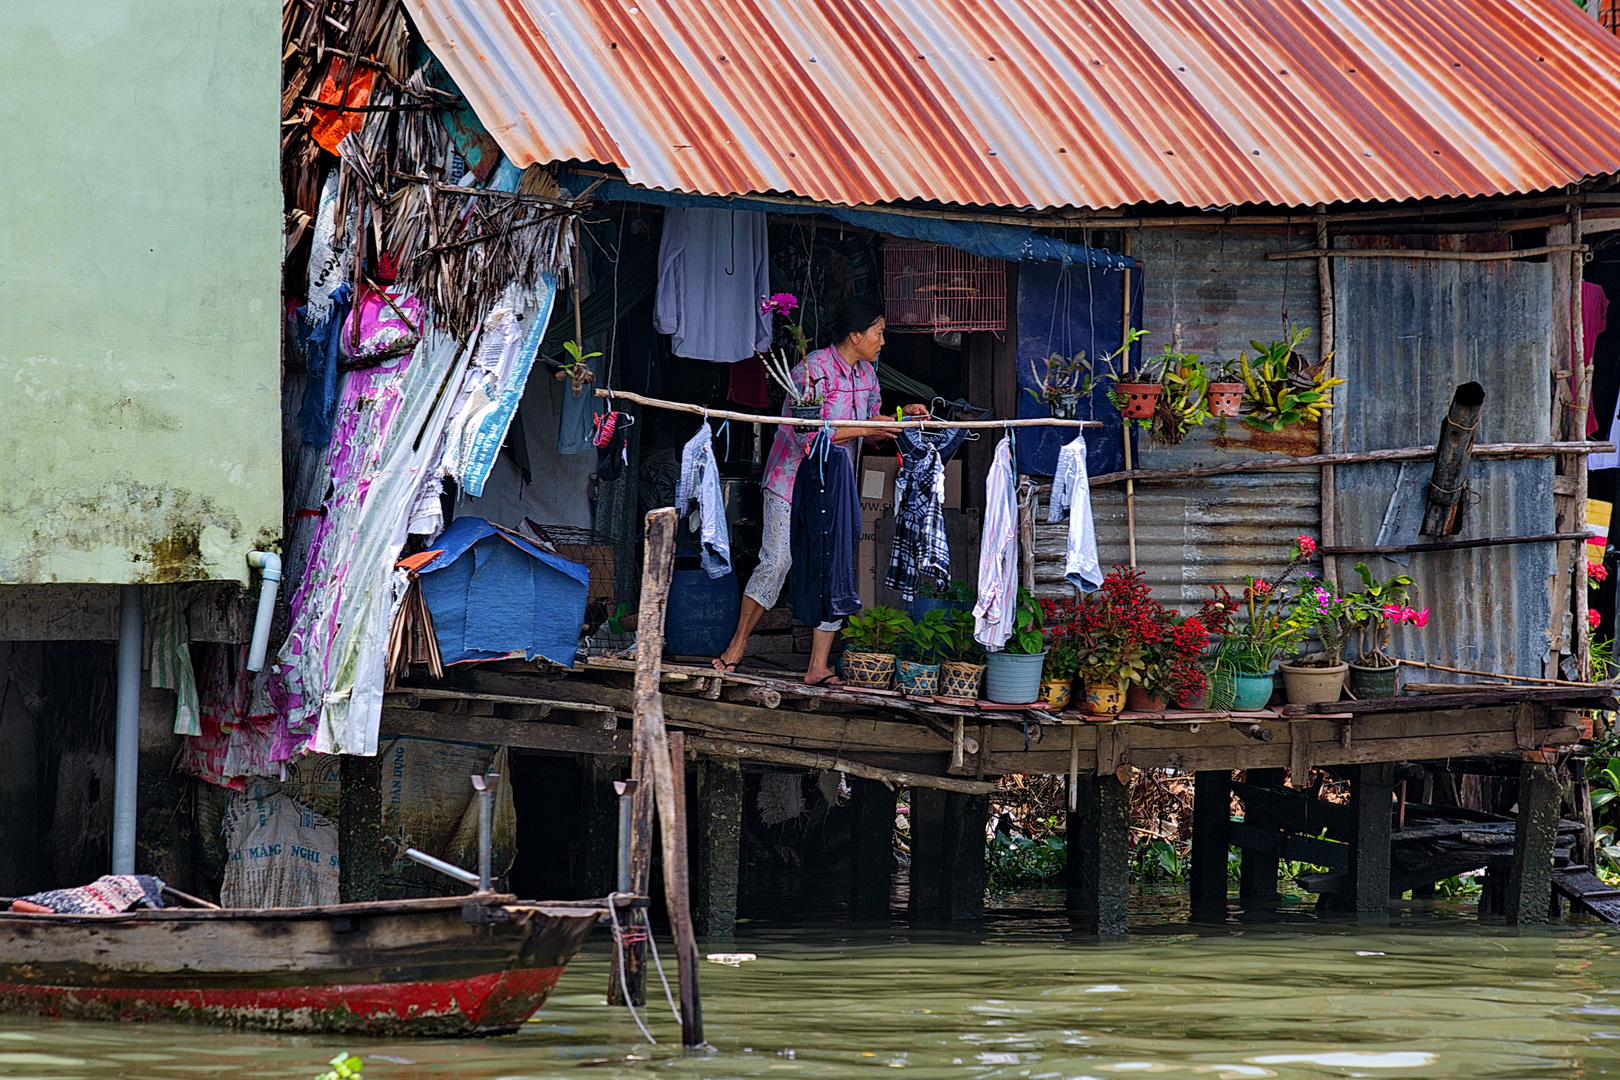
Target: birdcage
933	288
603	557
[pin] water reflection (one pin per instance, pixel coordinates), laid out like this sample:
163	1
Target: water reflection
1018	997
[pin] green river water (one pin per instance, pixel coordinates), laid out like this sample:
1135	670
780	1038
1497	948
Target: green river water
1019	996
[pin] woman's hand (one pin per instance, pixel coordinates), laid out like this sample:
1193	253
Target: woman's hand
916	410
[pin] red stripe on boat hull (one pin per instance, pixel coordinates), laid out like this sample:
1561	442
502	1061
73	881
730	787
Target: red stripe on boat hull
482	1004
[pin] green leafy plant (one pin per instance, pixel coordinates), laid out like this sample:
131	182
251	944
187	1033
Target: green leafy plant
1064	382
957	640
1184	405
578	369
344	1067
876	629
955	592
1375	609
1026	636
1062	661
1602	652
1013	860
1281	389
925	642
1160	860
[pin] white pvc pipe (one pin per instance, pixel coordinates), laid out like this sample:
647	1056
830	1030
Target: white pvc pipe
127	745
269	566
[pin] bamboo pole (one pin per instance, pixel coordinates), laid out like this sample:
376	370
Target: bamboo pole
1443	514
1421	253
1325	433
653	755
1125	425
1577	430
809	759
1457	545
1355	457
678	881
761	418
1496	675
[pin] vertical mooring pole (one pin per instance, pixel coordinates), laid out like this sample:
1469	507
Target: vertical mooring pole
652	760
127	740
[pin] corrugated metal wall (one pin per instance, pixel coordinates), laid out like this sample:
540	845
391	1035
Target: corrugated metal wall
1408	333
1190	533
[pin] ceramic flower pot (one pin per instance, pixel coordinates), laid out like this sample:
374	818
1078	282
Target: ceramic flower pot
1373	682
917	680
1104	699
1225	398
1056	693
1139	700
1305	685
1063	406
1197	702
960	680
1013	678
1140	399
869	670
1240	691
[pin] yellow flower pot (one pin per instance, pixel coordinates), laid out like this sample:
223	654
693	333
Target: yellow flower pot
1056	693
1104	699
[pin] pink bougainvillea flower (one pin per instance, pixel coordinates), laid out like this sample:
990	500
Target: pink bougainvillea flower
1262	587
1419	618
1395	613
1594	618
782	303
1307	546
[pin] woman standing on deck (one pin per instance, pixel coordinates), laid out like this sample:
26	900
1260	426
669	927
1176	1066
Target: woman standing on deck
846	372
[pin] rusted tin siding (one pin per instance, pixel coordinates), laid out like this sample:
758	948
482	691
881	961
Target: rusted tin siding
1034	103
1191	534
1408	333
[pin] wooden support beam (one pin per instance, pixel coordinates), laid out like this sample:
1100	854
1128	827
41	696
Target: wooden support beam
1211	839
1371	792
360	827
1099	857
873	865
1449	480
719	853
1535	834
964	870
927	819
1257	870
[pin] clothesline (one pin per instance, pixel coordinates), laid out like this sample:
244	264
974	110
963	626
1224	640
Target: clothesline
755	418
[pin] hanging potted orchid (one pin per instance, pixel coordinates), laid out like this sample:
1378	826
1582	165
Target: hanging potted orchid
804	399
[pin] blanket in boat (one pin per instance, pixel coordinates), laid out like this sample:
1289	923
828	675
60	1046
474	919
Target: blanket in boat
107	895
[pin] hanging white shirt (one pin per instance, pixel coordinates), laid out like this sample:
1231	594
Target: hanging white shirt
714	268
1071	491
997	606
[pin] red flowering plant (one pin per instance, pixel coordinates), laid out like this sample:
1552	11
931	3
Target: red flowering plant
1277	617
1120	633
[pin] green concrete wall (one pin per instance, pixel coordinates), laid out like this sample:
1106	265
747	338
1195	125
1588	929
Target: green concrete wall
140	260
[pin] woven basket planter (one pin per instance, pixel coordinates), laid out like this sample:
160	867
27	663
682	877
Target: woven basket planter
960	680
918	680
869	670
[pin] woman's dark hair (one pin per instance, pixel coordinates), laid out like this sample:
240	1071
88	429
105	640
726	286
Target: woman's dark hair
854	316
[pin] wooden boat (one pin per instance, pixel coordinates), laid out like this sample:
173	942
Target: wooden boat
472	965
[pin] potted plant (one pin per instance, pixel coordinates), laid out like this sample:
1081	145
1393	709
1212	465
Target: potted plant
959	677
958	594
1275	621
1184	403
1134	393
1012	675
1282	389
1225	395
918	672
1057	677
1108	628
870	638
1173	663
804	399
1372	612
1062	386
578	369
1320	677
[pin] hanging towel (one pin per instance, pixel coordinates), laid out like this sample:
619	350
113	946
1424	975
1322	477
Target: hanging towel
920	549
168	652
713	270
997	606
700	486
1071	491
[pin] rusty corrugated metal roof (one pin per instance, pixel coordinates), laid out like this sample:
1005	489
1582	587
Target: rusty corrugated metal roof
1046	103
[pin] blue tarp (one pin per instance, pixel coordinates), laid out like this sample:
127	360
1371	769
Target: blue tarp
1068	310
493	593
1015	243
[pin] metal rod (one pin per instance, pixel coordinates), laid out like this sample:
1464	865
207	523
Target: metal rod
127	740
626	804
485	786
1422	253
756	418
442	867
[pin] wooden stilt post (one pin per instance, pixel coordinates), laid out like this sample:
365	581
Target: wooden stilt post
927	819
360	827
964	870
1529	887
652	748
1257	870
1211	840
874	807
1370	795
719	861
1099	831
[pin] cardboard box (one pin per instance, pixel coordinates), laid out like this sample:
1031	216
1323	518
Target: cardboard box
867	572
877	479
